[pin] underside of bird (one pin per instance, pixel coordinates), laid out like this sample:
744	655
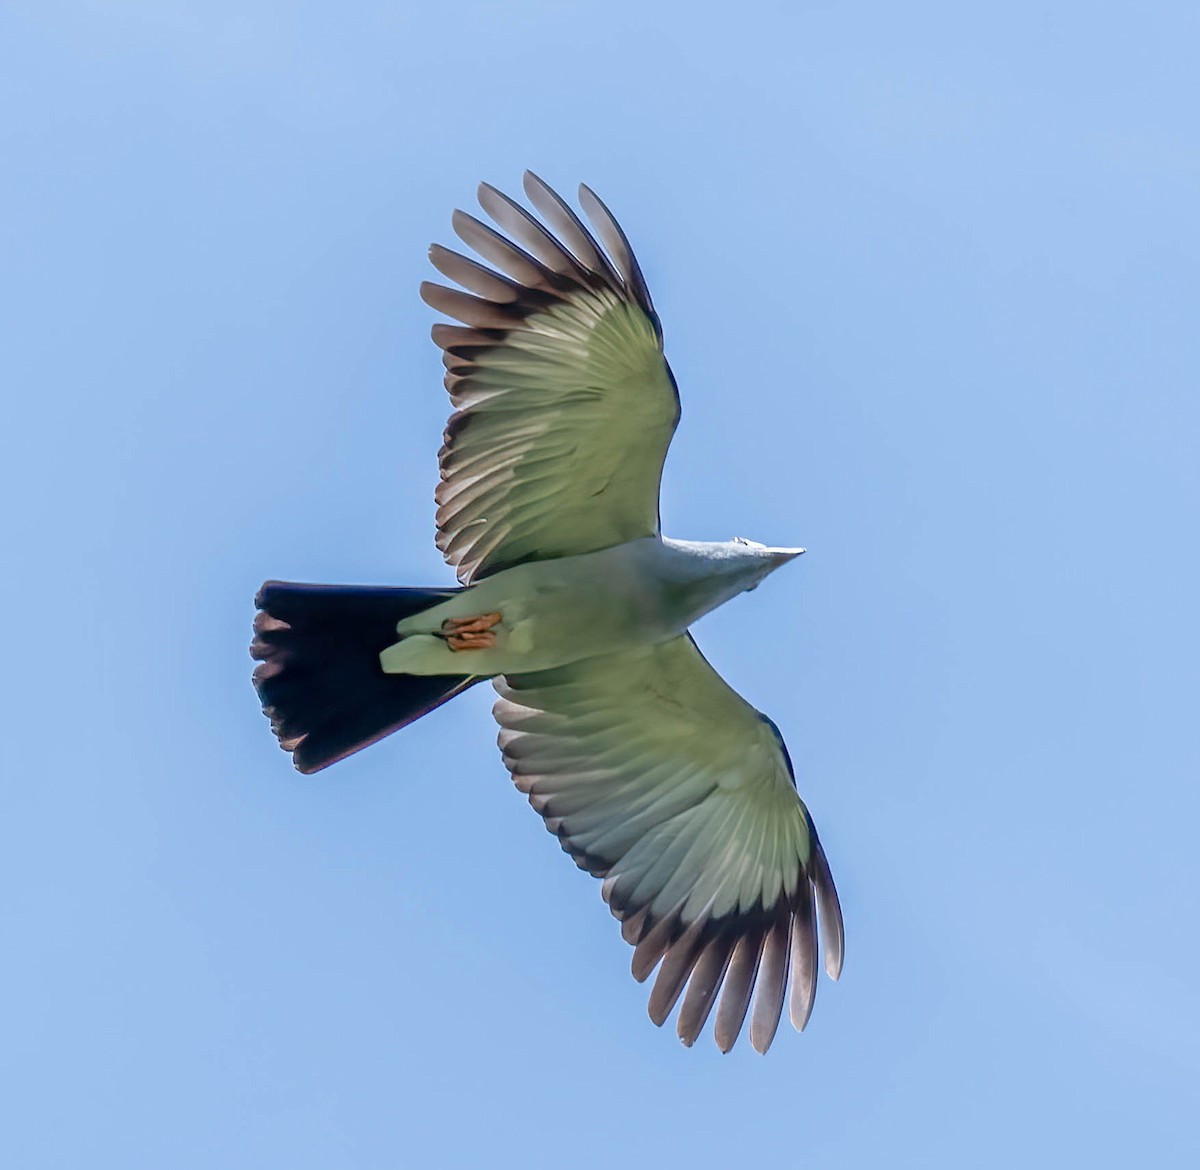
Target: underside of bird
654	774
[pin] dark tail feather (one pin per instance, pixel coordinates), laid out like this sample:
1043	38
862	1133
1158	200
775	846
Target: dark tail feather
320	681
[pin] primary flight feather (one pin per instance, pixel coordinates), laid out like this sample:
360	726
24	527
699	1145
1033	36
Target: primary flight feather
654	774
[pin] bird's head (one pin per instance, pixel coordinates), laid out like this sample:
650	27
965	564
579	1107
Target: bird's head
756	560
721	569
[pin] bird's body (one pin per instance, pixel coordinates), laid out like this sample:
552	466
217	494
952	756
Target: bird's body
652	772
563	610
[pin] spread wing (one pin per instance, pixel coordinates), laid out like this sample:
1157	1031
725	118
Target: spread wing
564	403
659	778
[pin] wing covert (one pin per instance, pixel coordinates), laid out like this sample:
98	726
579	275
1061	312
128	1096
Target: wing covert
564	403
657	777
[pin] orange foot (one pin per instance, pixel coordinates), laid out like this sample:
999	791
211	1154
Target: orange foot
473	633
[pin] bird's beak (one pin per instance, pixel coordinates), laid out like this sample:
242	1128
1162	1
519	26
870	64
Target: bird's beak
781	556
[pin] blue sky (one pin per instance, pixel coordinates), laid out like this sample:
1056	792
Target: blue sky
928	275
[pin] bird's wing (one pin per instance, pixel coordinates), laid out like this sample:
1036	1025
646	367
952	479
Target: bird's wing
659	778
564	403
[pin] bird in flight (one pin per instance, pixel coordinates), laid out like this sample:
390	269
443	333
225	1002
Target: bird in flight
654	774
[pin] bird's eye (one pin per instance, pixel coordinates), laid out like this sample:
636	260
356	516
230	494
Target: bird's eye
748	543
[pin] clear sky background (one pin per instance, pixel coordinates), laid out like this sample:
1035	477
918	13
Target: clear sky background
928	274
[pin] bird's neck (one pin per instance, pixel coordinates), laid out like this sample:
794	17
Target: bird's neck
698	576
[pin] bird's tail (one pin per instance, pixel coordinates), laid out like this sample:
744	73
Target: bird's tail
319	677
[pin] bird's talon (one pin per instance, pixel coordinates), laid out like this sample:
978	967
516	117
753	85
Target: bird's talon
471	633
